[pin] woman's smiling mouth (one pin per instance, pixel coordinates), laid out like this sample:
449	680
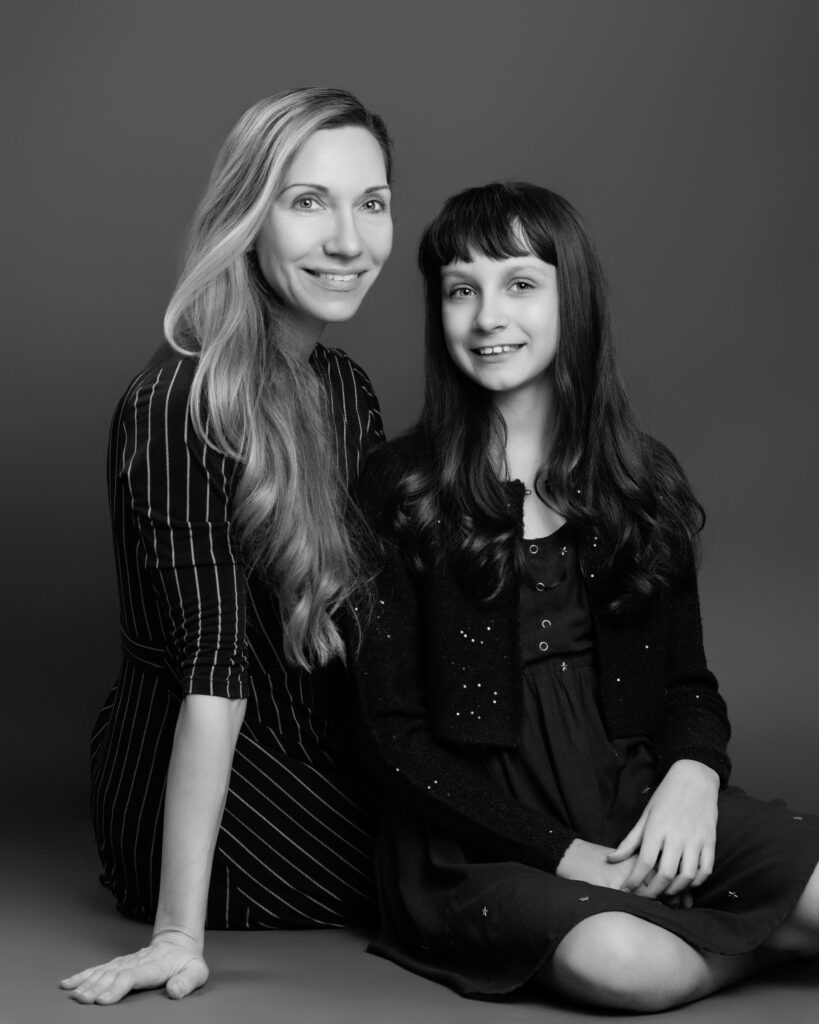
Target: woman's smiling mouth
336	280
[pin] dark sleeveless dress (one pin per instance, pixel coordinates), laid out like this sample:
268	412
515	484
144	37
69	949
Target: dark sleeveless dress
484	927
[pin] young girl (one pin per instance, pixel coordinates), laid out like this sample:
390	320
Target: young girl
223	790
535	698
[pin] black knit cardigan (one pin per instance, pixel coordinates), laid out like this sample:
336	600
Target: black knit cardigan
438	679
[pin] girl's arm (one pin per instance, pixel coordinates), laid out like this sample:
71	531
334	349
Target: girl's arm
198	774
442	782
675	837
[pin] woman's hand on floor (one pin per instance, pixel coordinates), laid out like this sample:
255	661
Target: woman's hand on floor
675	837
173	959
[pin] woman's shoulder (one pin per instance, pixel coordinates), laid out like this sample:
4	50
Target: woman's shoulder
157	398
166	377
339	362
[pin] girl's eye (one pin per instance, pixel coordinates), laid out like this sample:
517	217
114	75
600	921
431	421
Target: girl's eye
460	291
521	286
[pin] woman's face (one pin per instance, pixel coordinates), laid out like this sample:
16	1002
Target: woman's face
329	229
500	320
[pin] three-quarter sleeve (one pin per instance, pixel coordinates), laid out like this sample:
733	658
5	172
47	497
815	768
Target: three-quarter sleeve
180	489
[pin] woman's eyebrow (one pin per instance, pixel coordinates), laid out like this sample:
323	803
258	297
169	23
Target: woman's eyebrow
306	184
326	191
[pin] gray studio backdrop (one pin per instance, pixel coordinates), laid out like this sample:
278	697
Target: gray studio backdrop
683	131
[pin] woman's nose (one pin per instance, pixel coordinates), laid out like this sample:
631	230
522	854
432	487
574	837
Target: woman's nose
344	239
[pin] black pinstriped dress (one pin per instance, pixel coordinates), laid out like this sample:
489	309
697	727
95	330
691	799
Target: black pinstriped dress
295	846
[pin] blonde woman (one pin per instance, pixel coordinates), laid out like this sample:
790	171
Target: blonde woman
221	788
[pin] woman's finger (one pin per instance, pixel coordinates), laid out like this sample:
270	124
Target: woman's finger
120	985
191	976
77	979
97	983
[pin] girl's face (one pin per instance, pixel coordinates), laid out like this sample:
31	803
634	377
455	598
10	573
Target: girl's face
500	320
329	228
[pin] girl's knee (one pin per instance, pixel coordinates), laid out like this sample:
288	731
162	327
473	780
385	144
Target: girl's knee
622	962
798	935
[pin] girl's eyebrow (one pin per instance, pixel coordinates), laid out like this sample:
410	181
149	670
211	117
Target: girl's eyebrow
464	269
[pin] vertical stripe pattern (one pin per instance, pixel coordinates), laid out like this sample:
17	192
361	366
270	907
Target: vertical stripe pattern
295	845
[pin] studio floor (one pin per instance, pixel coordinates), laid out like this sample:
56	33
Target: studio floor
56	919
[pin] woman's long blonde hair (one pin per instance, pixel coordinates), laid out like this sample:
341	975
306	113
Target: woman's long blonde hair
254	397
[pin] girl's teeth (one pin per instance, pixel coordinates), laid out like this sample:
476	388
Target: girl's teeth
497	350
339	277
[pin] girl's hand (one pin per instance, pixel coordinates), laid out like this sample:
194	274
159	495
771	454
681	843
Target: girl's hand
589	862
675	836
173	959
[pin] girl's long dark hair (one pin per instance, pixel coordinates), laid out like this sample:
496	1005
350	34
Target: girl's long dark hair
604	473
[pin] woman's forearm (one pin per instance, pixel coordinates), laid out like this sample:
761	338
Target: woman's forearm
198	775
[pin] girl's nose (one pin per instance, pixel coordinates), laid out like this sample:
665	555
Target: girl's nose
344	239
490	316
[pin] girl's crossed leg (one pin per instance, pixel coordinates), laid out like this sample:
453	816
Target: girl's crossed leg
622	962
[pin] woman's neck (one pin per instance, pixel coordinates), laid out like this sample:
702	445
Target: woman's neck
303	332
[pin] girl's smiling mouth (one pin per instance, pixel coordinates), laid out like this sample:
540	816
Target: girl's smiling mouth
497	350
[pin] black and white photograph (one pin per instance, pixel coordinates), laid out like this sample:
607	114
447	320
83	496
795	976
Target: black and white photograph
411	519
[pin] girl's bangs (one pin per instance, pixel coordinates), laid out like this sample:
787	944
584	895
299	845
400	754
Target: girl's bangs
490	221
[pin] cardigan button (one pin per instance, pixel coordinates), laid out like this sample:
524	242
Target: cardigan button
533	548
540	587
543	646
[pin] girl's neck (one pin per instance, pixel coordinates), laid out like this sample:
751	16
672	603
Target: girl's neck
529	424
528	419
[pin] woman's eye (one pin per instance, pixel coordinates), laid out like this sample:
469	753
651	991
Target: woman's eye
306	203
375	206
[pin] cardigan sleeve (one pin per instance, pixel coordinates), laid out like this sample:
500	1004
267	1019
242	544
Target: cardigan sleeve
695	721
440	781
180	490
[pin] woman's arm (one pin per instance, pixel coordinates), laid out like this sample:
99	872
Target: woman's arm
178	490
198	774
